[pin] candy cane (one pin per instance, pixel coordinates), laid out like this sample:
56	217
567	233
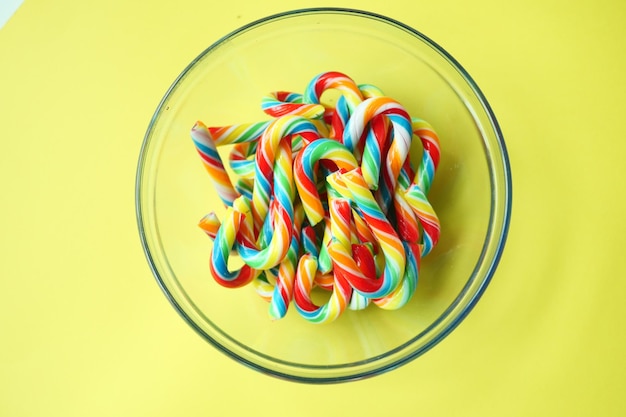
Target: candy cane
222	247
280	241
306	178
305	281
206	147
283	290
390	244
282	103
333	80
265	158
398	148
239	133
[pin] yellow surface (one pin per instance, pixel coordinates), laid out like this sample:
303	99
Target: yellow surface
87	332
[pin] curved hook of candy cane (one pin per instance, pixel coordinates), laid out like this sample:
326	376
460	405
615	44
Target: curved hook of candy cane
306	274
283	290
206	147
241	160
338	116
305	280
306	178
270	255
223	245
282	103
333	80
390	244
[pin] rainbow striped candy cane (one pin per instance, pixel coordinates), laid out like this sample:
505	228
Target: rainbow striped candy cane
390	244
366	263
265	165
408	230
333	80
372	155
412	206
239	133
206	147
283	290
280	240
282	103
369	91
341	112
361	252
418	190
305	281
428	219
407	287
306	178
222	247
376	146
274	177
241	160
210	223
343	232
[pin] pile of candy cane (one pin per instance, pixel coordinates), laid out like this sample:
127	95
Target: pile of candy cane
324	197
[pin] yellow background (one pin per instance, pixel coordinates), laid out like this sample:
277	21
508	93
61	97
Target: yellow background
85	330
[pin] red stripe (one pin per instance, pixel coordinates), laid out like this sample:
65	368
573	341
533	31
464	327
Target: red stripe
264	165
282	95
432	231
244	276
397	111
365	260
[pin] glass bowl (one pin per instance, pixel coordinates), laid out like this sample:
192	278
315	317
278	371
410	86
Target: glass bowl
471	192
